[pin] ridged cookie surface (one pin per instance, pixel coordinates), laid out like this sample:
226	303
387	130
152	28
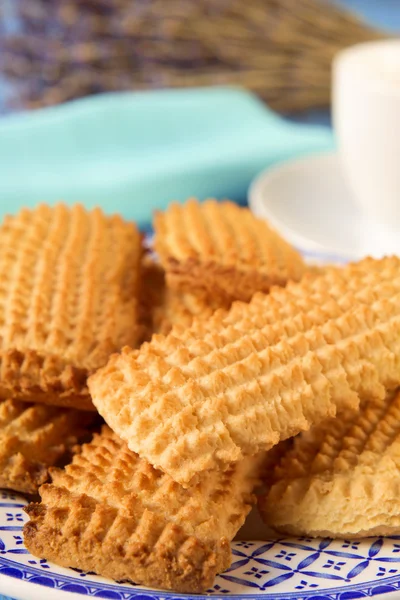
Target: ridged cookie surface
68	299
223	250
341	478
35	437
111	512
180	309
164	308
240	382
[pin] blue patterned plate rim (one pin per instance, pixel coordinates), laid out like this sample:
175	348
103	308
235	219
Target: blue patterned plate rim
13	569
260	569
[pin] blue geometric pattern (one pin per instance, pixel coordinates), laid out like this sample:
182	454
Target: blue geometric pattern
297	568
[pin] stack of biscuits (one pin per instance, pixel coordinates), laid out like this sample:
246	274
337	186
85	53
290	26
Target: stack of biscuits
152	399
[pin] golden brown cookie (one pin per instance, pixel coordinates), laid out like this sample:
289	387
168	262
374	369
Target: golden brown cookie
240	382
110	512
68	299
180	309
222	250
152	291
341	478
35	437
164	308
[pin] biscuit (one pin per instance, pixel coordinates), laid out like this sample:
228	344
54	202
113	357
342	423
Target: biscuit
151	299
341	478
35	437
68	299
240	382
110	512
222	250
180	309
164	308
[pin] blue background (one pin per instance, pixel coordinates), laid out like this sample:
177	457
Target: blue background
380	13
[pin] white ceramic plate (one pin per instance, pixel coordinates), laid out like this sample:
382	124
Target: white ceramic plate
295	568
310	202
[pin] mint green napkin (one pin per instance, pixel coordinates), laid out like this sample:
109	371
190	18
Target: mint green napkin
134	152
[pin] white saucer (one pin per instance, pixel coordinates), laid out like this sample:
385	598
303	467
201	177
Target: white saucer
309	201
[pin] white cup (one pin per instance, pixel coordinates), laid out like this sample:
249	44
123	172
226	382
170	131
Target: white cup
366	115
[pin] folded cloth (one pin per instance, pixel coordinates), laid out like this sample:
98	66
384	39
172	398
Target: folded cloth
134	152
